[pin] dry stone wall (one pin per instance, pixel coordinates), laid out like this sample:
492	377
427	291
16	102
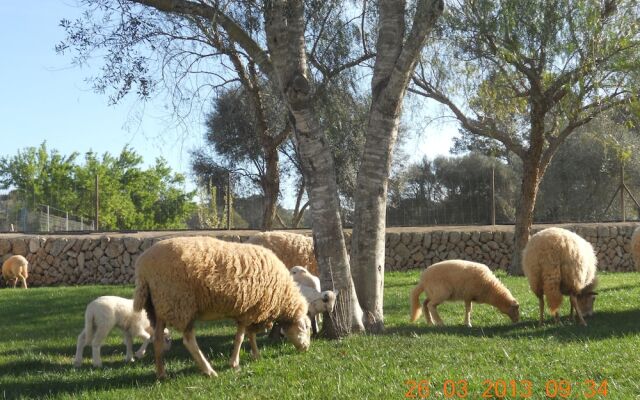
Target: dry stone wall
110	258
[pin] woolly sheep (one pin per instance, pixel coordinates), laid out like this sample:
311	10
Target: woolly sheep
292	248
460	280
181	280
14	268
295	249
319	302
635	248
102	315
558	262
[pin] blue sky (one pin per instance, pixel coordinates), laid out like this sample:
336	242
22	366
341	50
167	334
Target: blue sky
46	98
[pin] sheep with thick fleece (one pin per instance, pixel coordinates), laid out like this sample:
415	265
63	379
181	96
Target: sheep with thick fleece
292	248
14	268
558	262
107	312
635	248
181	280
461	280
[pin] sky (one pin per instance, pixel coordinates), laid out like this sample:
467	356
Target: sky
44	97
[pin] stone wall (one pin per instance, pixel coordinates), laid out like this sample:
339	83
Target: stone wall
110	258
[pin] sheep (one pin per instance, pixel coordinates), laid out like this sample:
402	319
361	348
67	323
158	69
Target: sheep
14	268
304	278
292	248
558	262
102	315
319	302
181	280
460	280
635	248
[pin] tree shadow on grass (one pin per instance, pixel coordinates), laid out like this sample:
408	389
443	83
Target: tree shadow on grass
601	326
140	374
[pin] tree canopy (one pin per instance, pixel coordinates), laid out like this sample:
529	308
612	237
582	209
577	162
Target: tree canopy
131	196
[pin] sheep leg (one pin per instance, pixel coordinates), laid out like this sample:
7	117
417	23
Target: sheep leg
143	349
574	304
234	362
541	308
82	342
314	325
426	312
467	313
432	307
128	343
23	279
96	343
15	282
255	353
189	340
158	349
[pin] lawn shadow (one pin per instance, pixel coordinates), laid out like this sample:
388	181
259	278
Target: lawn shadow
71	384
216	347
601	326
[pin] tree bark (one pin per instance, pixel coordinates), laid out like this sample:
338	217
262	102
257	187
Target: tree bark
395	63
270	187
284	25
524	214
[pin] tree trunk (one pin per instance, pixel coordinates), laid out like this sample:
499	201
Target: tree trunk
395	63
369	226
271	187
524	214
284	25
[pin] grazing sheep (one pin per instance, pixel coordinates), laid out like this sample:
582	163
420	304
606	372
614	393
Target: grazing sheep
292	248
558	262
319	302
635	248
461	280
304	278
14	268
181	280
102	315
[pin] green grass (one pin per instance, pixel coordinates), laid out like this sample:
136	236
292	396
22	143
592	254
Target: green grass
39	327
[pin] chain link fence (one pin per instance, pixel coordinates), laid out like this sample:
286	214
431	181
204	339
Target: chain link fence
17	216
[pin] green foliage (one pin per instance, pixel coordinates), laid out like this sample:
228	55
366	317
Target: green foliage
130	197
37	348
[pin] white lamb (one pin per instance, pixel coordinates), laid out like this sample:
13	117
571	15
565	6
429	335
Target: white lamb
558	262
319	302
102	315
305	278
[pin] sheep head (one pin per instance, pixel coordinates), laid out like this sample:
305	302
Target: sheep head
514	312
299	332
166	336
587	298
298	269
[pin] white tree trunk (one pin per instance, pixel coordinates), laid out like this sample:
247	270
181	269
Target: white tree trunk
395	63
284	23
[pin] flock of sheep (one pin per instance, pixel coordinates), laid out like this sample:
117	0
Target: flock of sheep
271	283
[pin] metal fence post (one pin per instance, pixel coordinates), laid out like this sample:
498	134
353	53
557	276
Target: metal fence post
66	222
48	220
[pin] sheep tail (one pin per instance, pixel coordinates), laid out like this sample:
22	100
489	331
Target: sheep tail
142	300
551	287
416	310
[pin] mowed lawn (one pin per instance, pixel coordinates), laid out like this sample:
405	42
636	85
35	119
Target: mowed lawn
39	327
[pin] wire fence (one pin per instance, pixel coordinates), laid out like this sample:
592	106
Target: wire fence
483	199
17	216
